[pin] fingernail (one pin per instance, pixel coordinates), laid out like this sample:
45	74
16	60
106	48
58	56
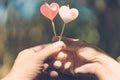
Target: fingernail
61	56
76	71
57	64
54	74
67	65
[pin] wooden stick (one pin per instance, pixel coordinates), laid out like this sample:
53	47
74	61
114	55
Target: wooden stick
63	28
54	30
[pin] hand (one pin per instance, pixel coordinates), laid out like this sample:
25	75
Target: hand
30	62
81	57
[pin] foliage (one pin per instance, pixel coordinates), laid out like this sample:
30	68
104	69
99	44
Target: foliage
22	26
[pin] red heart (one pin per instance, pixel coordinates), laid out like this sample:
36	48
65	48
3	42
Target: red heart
49	11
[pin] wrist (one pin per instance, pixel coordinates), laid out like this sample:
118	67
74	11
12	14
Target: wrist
108	68
13	77
10	77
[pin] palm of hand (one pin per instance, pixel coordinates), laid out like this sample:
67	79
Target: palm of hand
71	58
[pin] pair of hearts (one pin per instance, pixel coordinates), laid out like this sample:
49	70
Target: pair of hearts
67	14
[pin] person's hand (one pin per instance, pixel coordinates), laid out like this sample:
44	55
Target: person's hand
30	62
81	57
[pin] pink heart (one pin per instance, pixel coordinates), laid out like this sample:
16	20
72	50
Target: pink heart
49	11
68	14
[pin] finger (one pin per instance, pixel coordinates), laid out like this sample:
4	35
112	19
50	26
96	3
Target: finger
50	50
45	66
60	59
61	56
72	44
54	74
67	65
57	64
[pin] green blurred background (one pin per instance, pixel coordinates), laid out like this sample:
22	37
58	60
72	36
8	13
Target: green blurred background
22	26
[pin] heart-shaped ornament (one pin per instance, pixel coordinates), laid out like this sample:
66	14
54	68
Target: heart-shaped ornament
68	14
49	11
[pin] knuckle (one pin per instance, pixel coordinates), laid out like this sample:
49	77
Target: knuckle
25	51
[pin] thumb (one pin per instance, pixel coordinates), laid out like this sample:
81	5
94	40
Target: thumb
89	57
50	49
86	68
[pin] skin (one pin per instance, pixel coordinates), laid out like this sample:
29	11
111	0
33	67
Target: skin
30	62
70	56
81	57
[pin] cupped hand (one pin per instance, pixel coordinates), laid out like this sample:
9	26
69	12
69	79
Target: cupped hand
81	57
30	62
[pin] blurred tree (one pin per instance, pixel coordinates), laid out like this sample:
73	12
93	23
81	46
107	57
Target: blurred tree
109	26
22	25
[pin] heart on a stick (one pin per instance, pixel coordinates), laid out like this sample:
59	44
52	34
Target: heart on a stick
49	11
68	14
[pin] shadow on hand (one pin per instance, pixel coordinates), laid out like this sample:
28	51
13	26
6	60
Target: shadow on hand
72	45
